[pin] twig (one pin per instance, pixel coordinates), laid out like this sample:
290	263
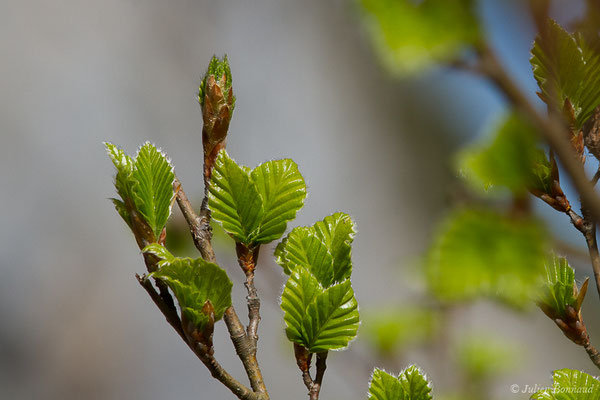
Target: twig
593	353
552	128
246	351
199	225
321	366
596	177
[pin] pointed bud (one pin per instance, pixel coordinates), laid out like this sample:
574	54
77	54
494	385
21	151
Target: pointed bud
217	102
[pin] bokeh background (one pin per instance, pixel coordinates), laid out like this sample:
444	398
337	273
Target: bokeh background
74	323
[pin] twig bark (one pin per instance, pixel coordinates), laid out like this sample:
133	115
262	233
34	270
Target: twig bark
199	224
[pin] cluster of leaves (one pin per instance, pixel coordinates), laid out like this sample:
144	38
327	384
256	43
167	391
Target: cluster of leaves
321	312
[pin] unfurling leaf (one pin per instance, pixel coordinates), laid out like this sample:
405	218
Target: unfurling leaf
485	254
570	384
145	185
567	71
560	290
217	101
194	283
411	384
255	206
411	36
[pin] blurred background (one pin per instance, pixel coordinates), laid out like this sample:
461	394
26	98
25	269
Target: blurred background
74	322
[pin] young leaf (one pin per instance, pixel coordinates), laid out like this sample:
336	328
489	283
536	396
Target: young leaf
559	290
234	200
255	206
485	254
154	175
283	191
337	232
194	282
304	248
145	185
511	160
566	69
411	384
324	248
124	182
410	36
570	385
331	319
299	291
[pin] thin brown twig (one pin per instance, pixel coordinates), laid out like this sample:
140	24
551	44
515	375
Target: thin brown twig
199	224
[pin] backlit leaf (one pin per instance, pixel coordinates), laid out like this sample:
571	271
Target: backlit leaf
485	254
570	384
234	200
283	191
412	35
194	281
411	384
566	68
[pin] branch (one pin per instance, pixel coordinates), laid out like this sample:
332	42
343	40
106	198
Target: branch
246	351
552	128
199	225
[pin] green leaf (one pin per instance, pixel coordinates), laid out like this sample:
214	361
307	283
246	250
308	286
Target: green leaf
331	319
255	206
234	200
411	384
566	69
161	252
194	282
571	385
319	319
145	185
154	175
337	232
410	36
389	330
299	291
283	191
511	160
304	248
324	249
485	254
559	289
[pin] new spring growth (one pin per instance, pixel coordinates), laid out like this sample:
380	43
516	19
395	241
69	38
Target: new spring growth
217	102
561	300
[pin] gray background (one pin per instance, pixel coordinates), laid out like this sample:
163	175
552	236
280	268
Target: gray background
74	322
